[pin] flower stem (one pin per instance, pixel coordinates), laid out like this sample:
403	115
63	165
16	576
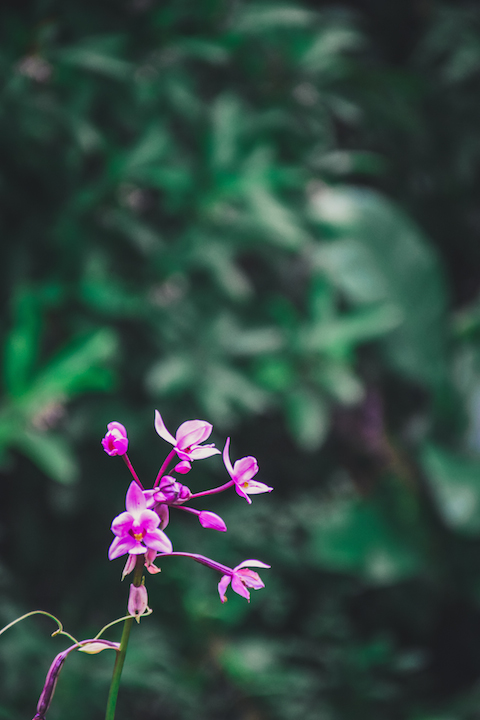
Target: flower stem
165	465
120	659
130	467
218	489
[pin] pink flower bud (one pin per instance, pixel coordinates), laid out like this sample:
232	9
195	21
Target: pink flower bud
171	491
137	601
115	441
183	467
209	519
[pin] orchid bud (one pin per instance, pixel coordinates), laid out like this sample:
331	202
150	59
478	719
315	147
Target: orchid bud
171	491
209	519
115	441
137	601
183	467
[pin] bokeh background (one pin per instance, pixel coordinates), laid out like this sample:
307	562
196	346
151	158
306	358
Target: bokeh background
265	215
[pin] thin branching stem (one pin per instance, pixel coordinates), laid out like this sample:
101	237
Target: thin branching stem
120	659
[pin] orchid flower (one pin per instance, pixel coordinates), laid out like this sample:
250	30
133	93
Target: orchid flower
136	529
186	442
242	473
115	441
242	579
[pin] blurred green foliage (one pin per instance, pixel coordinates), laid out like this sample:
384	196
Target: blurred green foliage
264	215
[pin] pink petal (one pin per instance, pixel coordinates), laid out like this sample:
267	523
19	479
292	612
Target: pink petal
117	426
239	587
152	569
192	432
114	444
122	524
251	563
226	459
129	566
255	487
149	499
211	520
149	520
162	430
200	452
135	501
150	556
120	546
121	445
245	468
138	549
222	587
242	493
157	540
251	579
163	514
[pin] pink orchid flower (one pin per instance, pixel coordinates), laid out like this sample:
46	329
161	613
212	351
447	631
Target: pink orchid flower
187	441
242	473
242	578
136	529
115	441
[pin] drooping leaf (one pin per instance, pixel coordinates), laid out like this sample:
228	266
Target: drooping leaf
381	254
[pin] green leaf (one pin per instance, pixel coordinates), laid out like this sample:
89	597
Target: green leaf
308	418
73	370
350	329
170	374
259	18
455	484
99	55
51	453
223	390
330	43
381	254
338	379
356	535
150	148
22	342
281	226
227	124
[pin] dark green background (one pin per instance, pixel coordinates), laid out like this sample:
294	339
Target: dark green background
265	215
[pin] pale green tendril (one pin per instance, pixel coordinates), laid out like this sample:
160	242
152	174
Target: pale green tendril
59	631
148	611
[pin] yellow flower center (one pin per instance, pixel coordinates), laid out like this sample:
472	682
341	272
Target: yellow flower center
138	536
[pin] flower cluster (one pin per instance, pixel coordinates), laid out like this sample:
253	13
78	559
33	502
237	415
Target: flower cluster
139	531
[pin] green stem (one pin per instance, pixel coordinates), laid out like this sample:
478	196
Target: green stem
120	659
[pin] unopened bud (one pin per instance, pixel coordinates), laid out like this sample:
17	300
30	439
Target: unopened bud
137	601
183	467
209	519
